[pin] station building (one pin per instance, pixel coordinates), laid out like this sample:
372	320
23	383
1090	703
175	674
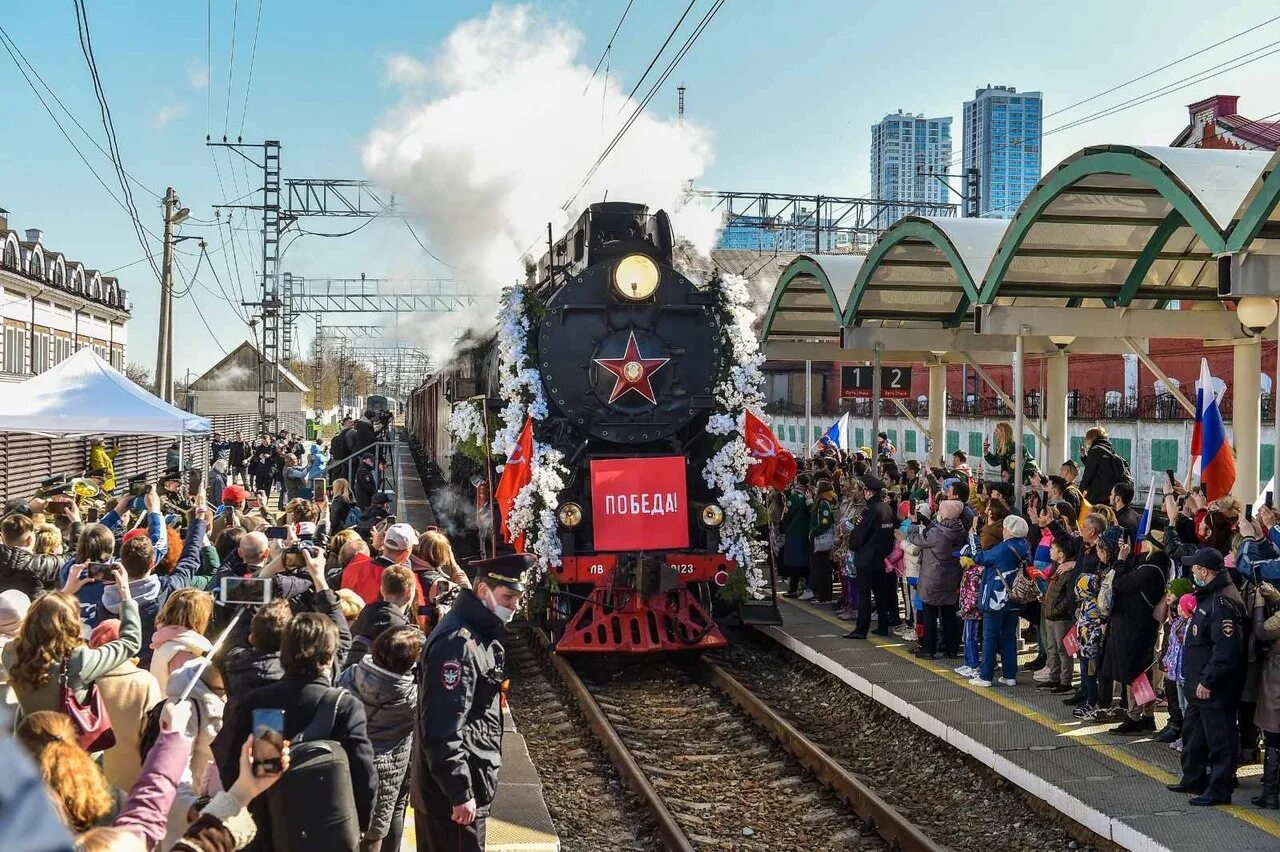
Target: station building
52	306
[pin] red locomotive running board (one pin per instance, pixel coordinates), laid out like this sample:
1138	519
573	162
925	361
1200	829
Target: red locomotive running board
598	568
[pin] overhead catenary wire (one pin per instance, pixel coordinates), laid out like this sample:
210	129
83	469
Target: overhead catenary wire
423	246
231	67
104	108
253	58
607	48
661	50
640	107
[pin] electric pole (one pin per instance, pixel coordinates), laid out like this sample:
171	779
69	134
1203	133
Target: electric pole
164	340
164	384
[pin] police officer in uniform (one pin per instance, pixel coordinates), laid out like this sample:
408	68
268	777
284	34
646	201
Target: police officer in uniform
1213	666
457	743
871	540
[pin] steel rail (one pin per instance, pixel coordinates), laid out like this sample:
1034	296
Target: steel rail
889	823
672	835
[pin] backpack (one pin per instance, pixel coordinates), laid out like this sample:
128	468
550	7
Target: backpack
353	517
313	806
1106	594
1120	468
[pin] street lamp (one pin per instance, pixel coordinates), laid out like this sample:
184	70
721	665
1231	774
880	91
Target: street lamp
181	216
1255	314
1062	341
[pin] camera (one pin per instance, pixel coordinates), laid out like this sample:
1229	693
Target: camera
295	556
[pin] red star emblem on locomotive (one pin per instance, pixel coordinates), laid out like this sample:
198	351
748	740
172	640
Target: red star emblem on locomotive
632	371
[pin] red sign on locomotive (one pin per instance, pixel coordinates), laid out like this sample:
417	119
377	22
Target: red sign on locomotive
639	504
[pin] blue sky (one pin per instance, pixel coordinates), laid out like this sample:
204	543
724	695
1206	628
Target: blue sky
788	92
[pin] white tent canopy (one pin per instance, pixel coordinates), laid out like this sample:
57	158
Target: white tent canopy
84	395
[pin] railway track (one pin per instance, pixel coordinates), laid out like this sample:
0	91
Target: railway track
717	768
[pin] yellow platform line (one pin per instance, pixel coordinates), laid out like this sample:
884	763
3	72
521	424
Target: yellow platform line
1250	815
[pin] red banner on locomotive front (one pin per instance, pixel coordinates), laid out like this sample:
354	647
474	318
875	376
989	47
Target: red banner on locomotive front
639	504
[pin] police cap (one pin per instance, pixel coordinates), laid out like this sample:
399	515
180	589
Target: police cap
1205	557
505	570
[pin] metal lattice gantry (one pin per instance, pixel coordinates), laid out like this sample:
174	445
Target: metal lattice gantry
378	295
822	215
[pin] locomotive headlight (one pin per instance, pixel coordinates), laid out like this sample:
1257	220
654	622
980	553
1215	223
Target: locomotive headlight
570	515
636	277
712	515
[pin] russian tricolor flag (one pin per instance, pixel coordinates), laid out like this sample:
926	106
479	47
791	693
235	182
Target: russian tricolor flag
1144	525
1213	459
838	434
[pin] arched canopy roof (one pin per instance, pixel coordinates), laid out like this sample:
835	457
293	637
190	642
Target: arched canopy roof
924	269
1258	228
808	300
1126	225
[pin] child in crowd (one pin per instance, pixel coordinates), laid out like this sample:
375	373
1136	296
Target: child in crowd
48	541
1184	604
13	608
1058	612
970	582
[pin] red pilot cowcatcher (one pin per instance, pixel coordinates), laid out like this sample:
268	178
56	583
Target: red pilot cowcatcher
633	371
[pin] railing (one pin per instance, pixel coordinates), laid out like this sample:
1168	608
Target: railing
1163	406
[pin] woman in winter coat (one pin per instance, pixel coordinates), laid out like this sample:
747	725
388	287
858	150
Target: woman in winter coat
1129	649
13	608
179	636
209	702
51	638
295	477
384	684
795	536
822	520
217	480
1001	565
940	574
1001	454
128	693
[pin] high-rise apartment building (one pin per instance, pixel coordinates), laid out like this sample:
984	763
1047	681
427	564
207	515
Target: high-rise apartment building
1001	138
907	151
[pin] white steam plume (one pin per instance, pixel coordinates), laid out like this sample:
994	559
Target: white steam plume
505	137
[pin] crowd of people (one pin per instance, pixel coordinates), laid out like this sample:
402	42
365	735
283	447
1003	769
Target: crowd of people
141	650
1124	618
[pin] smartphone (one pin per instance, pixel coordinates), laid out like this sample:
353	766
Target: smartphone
1172	480
195	480
1266	501
1248	511
280	533
318	486
91	515
245	590
100	571
268	741
139	489
251	502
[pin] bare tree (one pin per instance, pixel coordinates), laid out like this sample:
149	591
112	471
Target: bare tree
139	375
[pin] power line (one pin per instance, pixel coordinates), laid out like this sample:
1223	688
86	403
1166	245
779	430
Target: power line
86	47
208	68
658	55
671	66
231	68
253	57
608	47
10	43
423	246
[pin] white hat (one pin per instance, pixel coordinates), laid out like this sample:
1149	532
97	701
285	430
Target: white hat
400	537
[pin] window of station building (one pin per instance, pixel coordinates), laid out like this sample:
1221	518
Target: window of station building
62	349
953	440
1266	462
975	444
1165	454
15	349
909	441
40	344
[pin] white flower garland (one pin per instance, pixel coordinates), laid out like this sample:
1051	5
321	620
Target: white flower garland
533	512
466	422
741	389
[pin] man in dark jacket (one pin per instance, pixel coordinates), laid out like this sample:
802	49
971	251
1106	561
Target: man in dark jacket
364	487
1213	665
307	653
1126	516
20	567
1103	468
871	542
238	457
458	736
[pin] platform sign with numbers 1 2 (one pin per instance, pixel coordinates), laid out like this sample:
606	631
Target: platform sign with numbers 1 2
855	382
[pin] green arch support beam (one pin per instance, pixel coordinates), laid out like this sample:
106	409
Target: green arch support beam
917	229
801	266
1159	238
1255	216
1105	162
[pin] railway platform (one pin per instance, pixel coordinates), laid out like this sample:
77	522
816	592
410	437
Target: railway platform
1114	785
519	820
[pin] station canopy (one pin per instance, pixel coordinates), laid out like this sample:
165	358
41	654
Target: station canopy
1109	226
84	395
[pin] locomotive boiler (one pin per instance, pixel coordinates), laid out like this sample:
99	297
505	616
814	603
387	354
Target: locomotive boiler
629	351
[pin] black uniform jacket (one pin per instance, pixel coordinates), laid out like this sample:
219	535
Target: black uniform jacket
458	735
1213	653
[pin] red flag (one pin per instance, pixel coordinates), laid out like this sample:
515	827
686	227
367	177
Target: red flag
775	467
515	475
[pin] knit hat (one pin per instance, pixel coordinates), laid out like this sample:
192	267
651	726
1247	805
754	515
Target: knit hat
1180	586
950	510
132	534
1016	526
923	512
1187	605
107	631
13	608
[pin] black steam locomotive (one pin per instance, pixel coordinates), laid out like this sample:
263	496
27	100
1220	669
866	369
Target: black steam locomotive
629	351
